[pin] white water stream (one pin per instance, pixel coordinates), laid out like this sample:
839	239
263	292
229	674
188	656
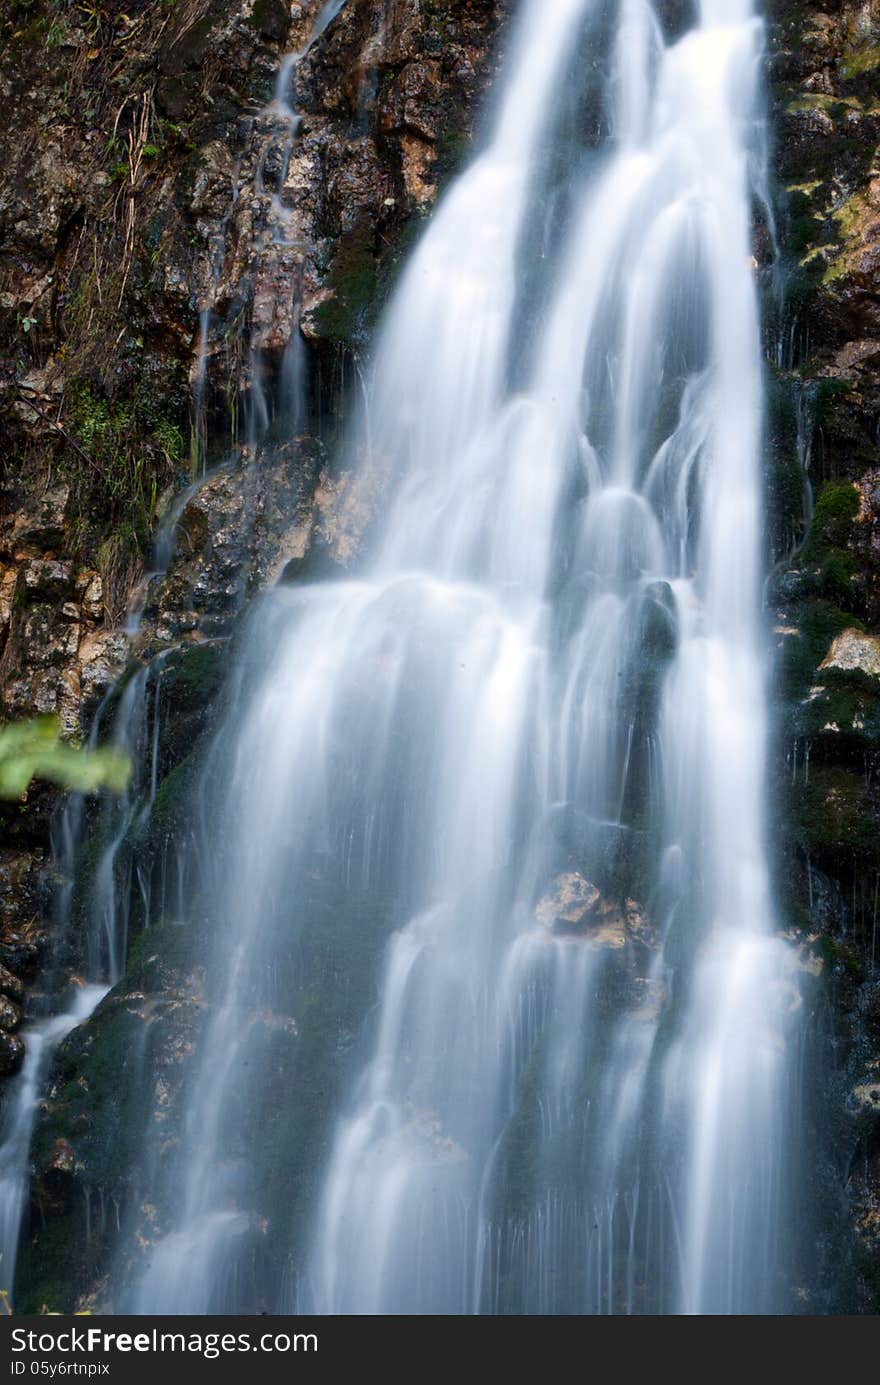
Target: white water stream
547	681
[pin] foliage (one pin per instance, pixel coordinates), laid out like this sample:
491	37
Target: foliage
34	750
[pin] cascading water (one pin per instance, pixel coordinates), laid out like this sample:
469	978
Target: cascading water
531	736
644	394
277	128
509	776
93	930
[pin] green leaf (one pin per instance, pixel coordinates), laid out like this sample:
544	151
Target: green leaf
34	750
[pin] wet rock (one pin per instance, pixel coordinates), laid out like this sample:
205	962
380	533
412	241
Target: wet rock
571	903
418	161
12	1052
413	101
10	1014
42	526
867	1096
10	985
575	906
49	580
22	887
101	657
25	887
61	1158
272	18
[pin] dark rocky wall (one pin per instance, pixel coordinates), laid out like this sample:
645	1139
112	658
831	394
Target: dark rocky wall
823	328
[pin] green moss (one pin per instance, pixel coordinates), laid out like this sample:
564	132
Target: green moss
836	953
804	220
851	218
785	482
104	1074
270	18
835	579
193	676
129	443
803	280
833	516
165	946
827	396
837	818
843	711
347	315
453	147
172	797
818	623
858	61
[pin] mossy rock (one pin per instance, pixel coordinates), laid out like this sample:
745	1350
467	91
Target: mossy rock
785	481
833	517
844	715
165	947
838	817
271	18
193	676
818	622
348	314
171	805
859	60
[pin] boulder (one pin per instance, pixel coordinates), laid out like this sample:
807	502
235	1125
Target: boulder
575	906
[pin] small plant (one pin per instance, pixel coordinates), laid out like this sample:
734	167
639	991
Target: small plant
56	33
91	17
34	750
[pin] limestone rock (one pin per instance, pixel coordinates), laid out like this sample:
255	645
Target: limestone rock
853	650
42	525
571	902
575	906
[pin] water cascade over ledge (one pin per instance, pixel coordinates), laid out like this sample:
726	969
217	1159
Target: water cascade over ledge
505	779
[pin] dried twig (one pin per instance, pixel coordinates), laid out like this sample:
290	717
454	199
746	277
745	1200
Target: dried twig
56	428
137	140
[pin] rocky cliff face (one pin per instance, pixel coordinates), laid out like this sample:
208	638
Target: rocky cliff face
824	488
177	236
192	262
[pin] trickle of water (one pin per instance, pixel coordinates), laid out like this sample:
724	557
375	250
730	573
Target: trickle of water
20	1110
101	919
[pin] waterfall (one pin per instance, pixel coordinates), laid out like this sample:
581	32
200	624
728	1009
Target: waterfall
605	668
496	1015
529	735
